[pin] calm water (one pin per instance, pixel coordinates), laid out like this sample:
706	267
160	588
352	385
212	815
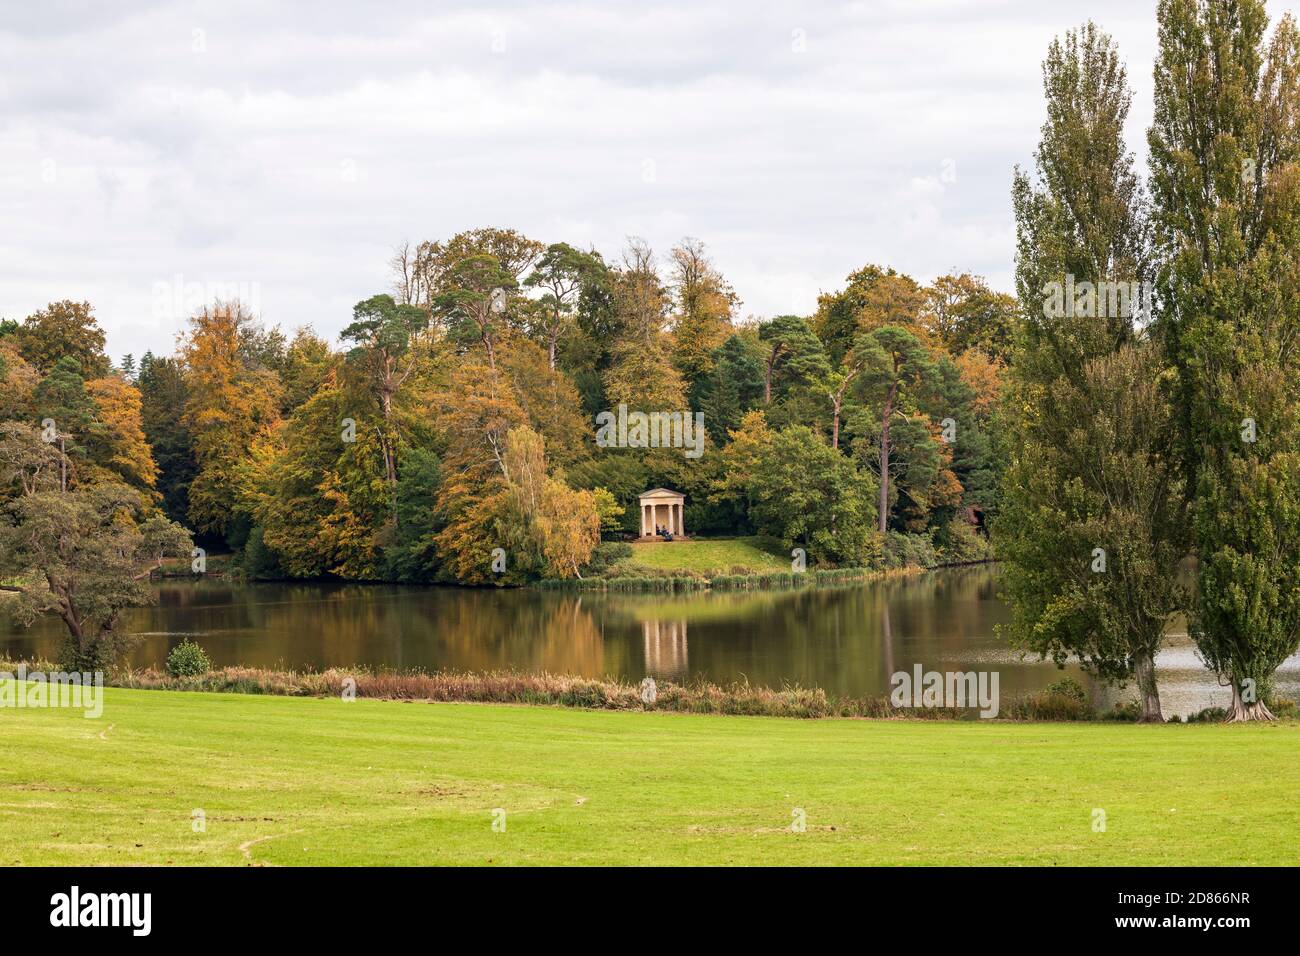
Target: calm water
848	641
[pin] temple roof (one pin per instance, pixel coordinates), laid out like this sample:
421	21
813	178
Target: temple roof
662	493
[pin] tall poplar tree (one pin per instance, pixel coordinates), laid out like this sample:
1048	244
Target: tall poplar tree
1226	191
1091	526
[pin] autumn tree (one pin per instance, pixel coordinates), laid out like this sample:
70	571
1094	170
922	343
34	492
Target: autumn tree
230	405
838	316
548	397
703	303
320	503
118	442
550	529
641	372
309	364
18	379
64	329
962	313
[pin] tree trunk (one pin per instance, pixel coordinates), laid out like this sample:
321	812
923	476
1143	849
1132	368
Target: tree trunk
1242	710
1144	669
385	445
883	510
835	422
552	336
884	461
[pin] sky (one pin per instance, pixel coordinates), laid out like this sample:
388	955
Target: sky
153	155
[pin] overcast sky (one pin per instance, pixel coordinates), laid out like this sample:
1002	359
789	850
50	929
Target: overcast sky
156	150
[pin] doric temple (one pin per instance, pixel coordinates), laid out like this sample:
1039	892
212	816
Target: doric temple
661	508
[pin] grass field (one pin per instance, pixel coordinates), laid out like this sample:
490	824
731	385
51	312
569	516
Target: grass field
312	781
710	554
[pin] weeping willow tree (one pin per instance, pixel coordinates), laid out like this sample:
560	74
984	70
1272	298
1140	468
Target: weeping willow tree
1091	527
1226	193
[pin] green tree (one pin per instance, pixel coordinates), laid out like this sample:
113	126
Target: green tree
383	336
163	399
733	386
84	555
808	494
474	302
897	372
559	273
1092	513
795	368
66	410
1224	150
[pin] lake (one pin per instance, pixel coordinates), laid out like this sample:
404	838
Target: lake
846	640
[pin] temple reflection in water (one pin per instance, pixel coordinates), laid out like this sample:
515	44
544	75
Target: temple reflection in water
665	647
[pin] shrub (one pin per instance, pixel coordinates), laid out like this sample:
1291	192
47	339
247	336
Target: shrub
958	542
187	660
1130	712
909	550
1064	700
608	554
1068	687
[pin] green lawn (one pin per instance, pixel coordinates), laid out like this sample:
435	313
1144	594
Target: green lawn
709	554
308	781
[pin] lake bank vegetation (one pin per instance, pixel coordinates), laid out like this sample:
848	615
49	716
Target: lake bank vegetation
1065	700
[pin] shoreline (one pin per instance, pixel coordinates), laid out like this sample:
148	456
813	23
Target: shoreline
1059	703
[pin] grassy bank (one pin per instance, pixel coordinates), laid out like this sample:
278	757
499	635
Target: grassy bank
754	554
307	781
559	690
